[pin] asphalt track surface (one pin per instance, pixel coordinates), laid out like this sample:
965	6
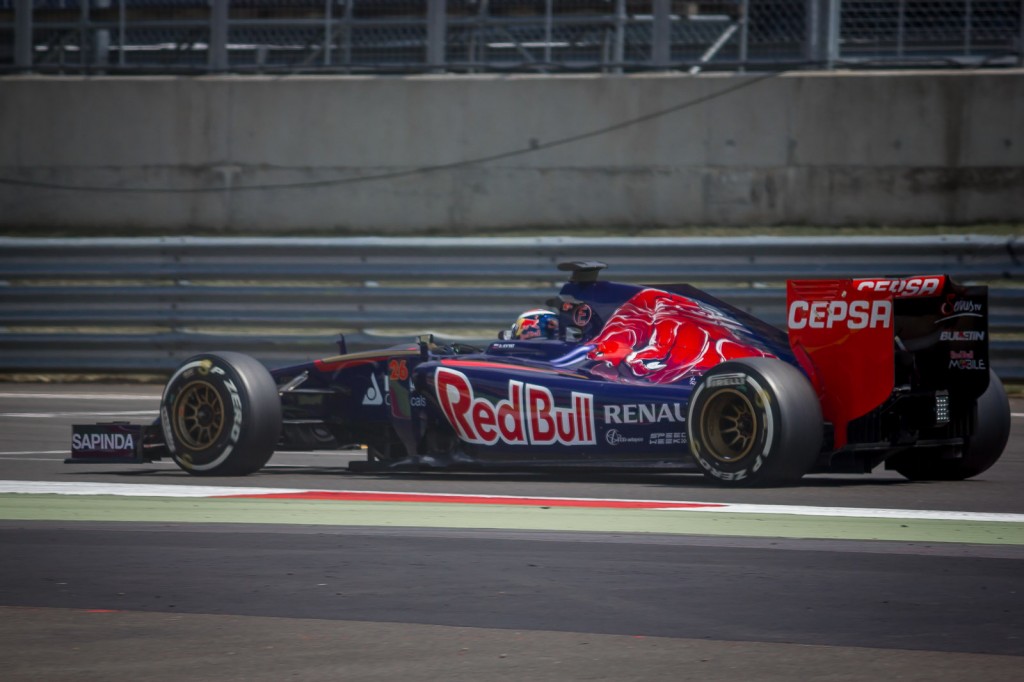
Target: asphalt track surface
108	587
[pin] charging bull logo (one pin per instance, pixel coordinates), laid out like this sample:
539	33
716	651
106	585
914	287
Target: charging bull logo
659	338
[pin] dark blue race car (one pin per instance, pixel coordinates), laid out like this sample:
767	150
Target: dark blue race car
620	376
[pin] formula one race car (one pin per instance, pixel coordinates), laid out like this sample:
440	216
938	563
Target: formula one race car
872	371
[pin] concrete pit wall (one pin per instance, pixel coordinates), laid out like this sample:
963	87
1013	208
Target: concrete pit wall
412	154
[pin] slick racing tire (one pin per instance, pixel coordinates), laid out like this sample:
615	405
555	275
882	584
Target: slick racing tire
221	415
981	449
755	422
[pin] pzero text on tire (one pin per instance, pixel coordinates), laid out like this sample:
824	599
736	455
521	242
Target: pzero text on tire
221	415
755	421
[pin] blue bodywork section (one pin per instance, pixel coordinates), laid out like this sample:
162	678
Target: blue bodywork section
534	402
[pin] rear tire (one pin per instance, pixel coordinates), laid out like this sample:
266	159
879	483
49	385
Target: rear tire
980	451
221	415
755	422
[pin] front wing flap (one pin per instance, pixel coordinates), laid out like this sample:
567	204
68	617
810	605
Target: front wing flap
115	443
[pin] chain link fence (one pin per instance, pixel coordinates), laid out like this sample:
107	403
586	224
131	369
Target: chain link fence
476	36
958	31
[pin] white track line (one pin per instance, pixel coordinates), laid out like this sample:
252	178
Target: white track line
31	459
133	489
35	452
856	512
35	456
191	491
108	413
82	396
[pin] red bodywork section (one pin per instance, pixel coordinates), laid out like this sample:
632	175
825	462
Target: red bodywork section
851	358
659	338
842	334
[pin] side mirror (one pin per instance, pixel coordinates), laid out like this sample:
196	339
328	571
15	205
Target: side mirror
505	334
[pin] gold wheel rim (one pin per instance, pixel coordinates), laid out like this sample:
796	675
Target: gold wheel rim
729	425
198	415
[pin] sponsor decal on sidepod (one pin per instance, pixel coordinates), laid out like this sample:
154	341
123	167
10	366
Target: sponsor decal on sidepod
644	413
676	438
528	416
614	438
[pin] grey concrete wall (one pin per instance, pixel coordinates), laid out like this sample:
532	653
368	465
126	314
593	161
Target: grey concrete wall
395	154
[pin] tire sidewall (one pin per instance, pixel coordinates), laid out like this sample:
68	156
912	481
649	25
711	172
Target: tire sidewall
757	391
991	428
222	377
981	449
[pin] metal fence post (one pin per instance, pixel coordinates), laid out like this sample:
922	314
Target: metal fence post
101	40
218	55
83	37
619	44
436	38
968	26
901	17
23	35
661	33
122	30
548	12
744	33
835	22
346	35
1020	38
328	30
813	37
823	28
477	49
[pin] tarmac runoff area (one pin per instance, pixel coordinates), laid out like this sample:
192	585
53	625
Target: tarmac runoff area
143	503
287	583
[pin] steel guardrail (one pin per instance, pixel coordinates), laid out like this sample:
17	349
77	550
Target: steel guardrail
145	304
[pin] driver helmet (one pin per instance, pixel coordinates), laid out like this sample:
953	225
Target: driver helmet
534	324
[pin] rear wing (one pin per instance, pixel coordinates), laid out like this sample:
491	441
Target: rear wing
859	340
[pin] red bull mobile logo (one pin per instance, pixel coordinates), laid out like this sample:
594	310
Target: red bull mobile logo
527	416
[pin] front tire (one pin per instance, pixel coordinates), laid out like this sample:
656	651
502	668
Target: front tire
221	415
980	450
755	422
